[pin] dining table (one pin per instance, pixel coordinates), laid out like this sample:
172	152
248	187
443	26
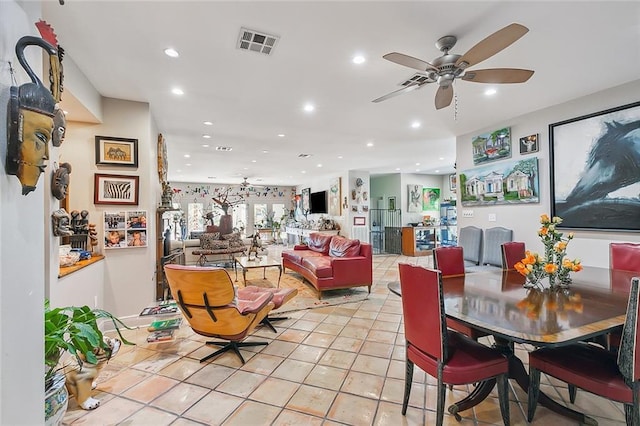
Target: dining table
497	302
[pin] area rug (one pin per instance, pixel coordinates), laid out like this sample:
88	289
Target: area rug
307	297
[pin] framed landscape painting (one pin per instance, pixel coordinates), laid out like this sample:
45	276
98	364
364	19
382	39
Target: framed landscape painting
492	146
595	170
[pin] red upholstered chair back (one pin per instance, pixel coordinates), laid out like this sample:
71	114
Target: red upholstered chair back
512	253
423	310
449	261
625	256
628	356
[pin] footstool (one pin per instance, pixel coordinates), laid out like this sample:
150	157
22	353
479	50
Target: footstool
280	297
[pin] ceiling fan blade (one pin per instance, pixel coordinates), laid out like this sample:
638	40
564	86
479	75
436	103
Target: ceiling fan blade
405	89
491	45
409	61
498	75
444	96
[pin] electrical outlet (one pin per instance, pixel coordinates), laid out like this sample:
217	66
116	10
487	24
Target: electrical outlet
492	217
467	213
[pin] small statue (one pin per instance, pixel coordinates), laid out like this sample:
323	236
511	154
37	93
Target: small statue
84	222
167	195
60	222
93	236
75	220
255	245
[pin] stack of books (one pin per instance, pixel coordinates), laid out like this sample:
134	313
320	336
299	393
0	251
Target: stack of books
166	307
162	330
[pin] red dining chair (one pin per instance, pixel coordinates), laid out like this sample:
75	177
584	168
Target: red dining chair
595	369
444	354
450	262
512	253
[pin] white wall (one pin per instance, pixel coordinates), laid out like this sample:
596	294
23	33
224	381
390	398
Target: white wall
22	251
590	246
129	274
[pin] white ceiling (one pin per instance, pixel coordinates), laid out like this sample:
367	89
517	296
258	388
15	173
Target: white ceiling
575	48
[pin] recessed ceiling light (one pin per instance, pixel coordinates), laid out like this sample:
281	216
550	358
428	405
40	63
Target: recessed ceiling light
264	151
188	164
415	124
369	144
206	136
253	161
281	135
177	91
417	164
490	92
437	171
179	171
441	158
417	170
397	168
358	59
208	123
303	172
309	107
205	145
339	157
319	165
187	156
171	52
245	168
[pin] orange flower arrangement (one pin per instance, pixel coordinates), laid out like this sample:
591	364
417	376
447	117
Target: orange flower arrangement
554	264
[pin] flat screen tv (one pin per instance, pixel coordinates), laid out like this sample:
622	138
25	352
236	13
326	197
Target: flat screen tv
318	201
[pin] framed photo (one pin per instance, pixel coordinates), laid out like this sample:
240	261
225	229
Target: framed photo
529	144
359	220
453	182
115	189
492	146
116	151
594	161
392	203
306	205
123	229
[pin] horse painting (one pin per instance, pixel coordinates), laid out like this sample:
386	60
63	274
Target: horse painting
613	163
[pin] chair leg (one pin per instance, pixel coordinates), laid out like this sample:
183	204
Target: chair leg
572	392
408	379
268	320
534	391
503	397
442	389
234	346
632	411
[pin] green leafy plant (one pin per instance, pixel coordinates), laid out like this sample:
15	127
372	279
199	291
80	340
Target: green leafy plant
75	330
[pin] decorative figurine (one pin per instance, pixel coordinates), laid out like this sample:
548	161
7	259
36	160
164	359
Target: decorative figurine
60	222
93	236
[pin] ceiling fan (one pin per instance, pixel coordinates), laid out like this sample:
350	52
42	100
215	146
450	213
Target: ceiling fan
245	183
445	69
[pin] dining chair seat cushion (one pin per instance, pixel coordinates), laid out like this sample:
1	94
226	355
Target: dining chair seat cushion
469	361
589	367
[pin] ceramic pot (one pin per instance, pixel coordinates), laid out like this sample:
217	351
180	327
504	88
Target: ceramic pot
56	400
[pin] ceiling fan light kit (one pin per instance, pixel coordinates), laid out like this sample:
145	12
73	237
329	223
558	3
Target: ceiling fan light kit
445	69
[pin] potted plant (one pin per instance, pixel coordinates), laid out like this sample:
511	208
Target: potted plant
74	330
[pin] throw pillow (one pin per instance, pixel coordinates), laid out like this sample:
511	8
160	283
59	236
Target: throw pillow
343	247
207	240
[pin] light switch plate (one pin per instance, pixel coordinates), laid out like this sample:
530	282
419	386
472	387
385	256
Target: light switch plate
492	217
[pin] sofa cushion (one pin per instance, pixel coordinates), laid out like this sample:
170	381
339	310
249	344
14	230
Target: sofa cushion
319	242
296	256
344	247
208	238
319	265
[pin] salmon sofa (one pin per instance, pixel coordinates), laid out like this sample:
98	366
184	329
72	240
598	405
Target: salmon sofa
331	262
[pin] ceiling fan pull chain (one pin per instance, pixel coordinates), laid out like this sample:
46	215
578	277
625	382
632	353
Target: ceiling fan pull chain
455	106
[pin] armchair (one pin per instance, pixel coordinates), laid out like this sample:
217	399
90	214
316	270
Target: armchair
208	300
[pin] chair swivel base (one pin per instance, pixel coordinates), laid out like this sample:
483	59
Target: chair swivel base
234	346
268	320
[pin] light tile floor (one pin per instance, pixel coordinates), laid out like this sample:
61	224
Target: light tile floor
341	365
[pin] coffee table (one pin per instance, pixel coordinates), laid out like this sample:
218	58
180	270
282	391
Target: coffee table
263	262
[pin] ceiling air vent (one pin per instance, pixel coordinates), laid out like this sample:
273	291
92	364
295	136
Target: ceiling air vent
304	155
417	78
256	41
223	148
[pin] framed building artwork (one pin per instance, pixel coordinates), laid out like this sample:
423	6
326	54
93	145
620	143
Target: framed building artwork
123	229
115	189
529	144
506	182
116	151
595	164
492	146
335	196
414	197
